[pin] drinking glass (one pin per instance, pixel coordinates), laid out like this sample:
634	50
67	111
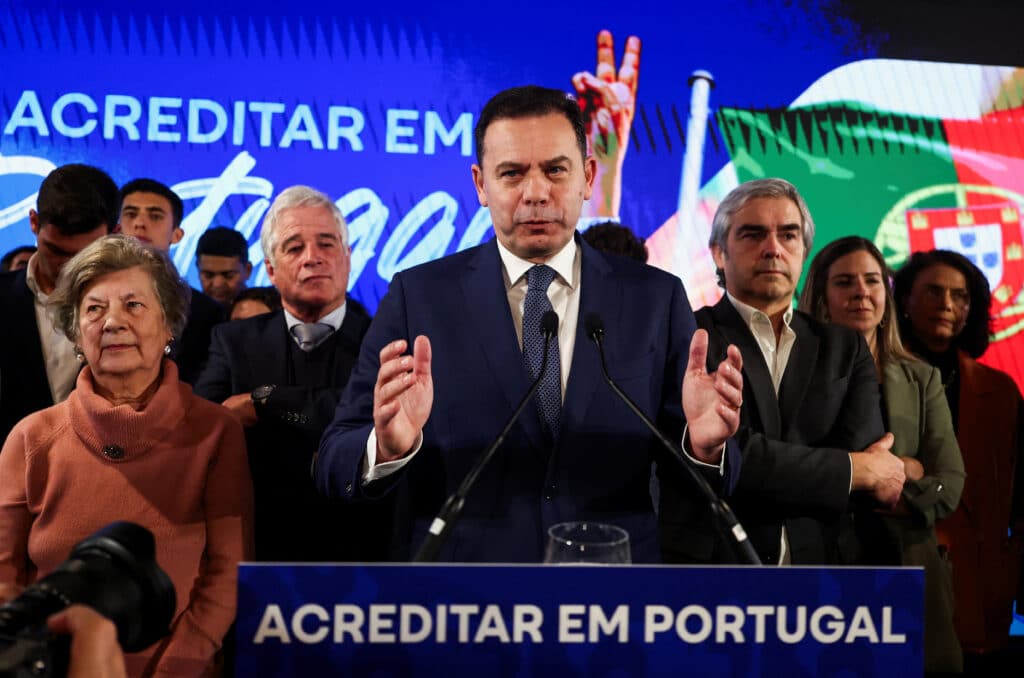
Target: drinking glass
587	543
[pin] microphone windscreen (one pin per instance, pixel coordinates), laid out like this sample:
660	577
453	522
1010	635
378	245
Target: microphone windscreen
549	324
593	325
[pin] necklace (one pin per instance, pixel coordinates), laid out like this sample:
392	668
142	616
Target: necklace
948	381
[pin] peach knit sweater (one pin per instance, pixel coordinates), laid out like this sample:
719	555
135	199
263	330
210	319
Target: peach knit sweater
184	476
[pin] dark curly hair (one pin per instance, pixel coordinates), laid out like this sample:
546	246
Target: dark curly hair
973	339
609	236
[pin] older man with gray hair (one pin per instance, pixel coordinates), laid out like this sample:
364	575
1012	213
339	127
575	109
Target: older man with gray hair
282	374
815	451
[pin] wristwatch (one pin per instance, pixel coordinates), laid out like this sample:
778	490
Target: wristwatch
261	393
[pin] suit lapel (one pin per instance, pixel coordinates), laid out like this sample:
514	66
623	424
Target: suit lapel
902	398
600	295
269	357
31	350
799	369
483	287
755	372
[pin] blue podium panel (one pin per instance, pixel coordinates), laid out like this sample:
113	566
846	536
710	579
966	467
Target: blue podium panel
530	620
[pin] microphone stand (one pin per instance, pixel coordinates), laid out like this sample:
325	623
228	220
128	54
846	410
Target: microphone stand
449	514
724	518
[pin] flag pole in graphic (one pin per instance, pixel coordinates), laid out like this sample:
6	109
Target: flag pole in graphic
691	238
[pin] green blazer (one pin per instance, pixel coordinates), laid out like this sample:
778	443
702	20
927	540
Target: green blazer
918	416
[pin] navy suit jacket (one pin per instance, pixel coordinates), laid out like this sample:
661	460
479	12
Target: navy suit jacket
24	386
600	469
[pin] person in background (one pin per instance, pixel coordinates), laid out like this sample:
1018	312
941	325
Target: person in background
135	436
282	375
943	302
615	238
816	445
152	213
255	301
848	284
222	257
17	259
76	205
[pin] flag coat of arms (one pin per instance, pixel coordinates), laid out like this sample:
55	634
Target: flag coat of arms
988	235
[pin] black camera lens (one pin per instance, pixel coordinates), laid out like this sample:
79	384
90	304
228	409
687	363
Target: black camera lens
114	571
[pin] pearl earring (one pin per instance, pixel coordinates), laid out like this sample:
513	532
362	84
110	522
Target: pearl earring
79	355
167	347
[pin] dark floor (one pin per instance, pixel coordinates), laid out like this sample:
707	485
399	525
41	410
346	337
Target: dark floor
1007	662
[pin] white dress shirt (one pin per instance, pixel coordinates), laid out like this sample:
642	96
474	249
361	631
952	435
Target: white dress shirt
776	357
334	319
564	294
58	352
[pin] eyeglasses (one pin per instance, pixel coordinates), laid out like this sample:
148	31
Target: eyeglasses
960	297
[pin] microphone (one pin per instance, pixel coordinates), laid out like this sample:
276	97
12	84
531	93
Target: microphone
725	519
442	525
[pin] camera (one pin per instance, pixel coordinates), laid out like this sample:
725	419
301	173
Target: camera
113	571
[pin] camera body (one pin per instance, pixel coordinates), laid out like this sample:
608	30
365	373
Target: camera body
113	571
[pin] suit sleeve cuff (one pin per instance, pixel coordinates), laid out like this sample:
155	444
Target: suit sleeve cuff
373	471
721	463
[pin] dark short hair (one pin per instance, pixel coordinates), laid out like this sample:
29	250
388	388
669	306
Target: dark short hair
154	186
221	241
265	295
77	199
973	339
615	238
529	102
8	259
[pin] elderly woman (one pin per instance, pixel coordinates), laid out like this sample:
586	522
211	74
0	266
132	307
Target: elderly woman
132	443
944	317
848	284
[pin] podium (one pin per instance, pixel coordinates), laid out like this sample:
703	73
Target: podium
537	620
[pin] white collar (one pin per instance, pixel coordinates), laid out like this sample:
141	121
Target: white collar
750	314
334	318
563	263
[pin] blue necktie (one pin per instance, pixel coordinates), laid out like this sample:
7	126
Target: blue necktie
549	394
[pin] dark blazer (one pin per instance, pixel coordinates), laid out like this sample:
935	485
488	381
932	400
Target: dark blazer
600	470
796	465
24	387
292	523
190	351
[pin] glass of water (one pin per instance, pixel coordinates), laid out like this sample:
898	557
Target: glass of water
587	543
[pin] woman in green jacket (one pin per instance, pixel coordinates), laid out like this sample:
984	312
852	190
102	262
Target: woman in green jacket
848	284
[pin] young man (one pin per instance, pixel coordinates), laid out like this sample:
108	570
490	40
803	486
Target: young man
222	257
152	212
77	204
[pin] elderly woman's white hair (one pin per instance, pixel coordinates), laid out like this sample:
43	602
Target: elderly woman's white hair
110	254
290	198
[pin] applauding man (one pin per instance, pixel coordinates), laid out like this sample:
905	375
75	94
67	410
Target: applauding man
457	342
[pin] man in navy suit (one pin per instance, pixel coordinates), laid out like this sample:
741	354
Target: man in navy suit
77	204
284	386
412	425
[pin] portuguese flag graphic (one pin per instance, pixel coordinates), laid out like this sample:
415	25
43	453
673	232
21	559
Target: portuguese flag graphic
908	175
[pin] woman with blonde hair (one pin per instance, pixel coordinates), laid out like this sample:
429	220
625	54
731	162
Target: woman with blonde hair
848	284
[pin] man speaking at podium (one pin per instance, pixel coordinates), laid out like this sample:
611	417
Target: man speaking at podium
457	342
